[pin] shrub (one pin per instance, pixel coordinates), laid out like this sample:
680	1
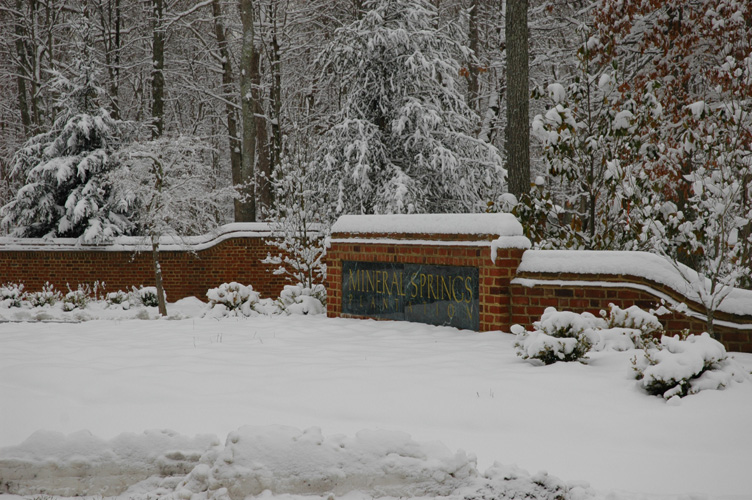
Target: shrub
558	336
146	295
77	299
299	299
11	295
119	298
47	297
680	366
640	327
234	298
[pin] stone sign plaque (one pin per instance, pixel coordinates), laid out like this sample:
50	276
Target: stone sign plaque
437	295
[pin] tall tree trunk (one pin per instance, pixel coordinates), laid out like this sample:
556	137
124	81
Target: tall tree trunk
243	178
518	95
473	87
263	164
236	156
157	70
161	302
23	104
276	89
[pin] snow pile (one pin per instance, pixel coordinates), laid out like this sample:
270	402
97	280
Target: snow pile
679	367
51	463
264	461
234	299
285	460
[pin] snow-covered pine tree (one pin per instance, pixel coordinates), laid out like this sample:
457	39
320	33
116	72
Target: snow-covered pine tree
65	193
401	140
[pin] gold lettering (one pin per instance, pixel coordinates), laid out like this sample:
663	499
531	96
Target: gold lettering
373	303
445	288
422	283
469	310
369	277
353	279
396	284
386	284
454	289
415	286
396	303
385	303
450	311
377	277
430	287
468	287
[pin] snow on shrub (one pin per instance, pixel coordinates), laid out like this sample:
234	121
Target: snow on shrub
47	297
77	299
118	299
298	299
558	336
147	295
626	329
681	366
234	299
11	295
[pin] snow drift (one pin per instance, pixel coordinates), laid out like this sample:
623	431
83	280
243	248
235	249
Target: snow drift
274	460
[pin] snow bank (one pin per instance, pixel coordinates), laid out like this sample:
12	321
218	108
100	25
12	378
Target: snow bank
616	263
499	224
80	464
263	461
285	460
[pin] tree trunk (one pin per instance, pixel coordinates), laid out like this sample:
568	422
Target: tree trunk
518	95
473	87
236	156
161	302
243	178
157	71
263	164
23	104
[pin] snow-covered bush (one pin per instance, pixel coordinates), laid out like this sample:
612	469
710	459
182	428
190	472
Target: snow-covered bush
627	329
48	296
146	295
118	299
11	295
77	299
233	298
681	366
297	299
558	336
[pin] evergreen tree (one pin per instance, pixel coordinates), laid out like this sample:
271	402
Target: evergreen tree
65	192
401	140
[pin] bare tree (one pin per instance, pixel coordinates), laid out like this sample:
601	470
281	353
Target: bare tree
518	124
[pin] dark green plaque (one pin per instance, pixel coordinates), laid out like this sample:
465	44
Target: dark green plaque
437	295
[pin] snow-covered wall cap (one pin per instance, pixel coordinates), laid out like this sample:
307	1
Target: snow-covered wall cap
645	265
501	224
137	243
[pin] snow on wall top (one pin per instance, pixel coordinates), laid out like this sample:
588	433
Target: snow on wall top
496	224
645	265
133	243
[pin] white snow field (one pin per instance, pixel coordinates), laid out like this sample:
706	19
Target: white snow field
289	406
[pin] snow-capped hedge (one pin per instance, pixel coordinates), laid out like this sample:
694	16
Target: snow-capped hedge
234	299
681	366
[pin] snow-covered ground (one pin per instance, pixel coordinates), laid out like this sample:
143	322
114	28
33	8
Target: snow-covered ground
364	405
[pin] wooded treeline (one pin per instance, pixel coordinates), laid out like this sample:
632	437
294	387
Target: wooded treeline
639	111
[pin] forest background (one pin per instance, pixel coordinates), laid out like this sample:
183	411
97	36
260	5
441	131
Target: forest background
157	116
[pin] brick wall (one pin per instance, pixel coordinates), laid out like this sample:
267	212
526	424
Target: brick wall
232	254
532	293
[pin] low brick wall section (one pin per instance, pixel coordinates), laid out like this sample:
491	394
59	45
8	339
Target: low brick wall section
545	279
233	253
